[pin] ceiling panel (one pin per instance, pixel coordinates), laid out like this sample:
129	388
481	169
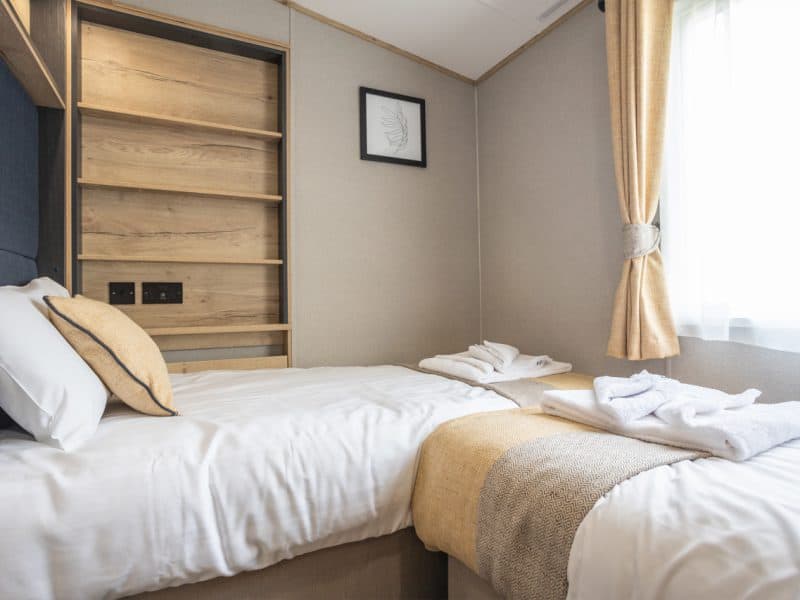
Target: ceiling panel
466	36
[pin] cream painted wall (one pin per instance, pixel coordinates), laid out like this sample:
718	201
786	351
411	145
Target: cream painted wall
384	257
550	230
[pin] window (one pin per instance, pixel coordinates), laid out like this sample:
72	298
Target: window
730	210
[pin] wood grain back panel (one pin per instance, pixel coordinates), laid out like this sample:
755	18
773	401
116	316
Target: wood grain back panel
136	223
212	294
140	72
220	340
180	180
138	153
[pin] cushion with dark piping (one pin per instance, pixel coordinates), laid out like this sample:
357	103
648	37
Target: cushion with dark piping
125	358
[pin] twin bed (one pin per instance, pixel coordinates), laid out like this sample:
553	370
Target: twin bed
298	483
320	464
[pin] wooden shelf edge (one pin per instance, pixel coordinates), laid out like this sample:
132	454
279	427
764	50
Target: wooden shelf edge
24	60
217	329
233	364
116	185
206	260
145	117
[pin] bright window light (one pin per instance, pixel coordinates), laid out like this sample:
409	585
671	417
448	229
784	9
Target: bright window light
730	210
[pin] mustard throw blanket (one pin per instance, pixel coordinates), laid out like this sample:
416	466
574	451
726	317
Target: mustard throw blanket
504	492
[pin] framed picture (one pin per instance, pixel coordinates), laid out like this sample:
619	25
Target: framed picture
392	128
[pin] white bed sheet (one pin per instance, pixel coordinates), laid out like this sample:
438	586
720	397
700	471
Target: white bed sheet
705	529
260	467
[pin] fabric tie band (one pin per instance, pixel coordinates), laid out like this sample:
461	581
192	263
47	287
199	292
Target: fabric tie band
640	239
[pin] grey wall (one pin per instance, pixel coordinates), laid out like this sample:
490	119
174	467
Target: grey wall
384	257
550	229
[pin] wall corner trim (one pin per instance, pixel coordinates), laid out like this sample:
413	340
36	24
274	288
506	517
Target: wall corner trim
554	25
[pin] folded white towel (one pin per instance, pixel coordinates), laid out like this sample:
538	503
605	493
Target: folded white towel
500	356
472	369
625	399
484	367
522	368
480	352
736	434
505	353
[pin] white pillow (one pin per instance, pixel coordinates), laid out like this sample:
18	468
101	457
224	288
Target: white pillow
45	386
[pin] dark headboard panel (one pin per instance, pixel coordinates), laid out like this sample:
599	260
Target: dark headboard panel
19	193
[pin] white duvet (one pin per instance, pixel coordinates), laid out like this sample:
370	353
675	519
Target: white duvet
708	529
261	466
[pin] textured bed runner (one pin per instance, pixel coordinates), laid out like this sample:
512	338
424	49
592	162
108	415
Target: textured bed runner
535	497
504	492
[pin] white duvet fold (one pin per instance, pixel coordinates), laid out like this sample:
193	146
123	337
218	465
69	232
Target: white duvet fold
736	434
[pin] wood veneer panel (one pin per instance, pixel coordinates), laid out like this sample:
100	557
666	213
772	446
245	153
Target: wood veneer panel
157	224
212	294
144	73
241	364
23	10
220	340
24	60
136	153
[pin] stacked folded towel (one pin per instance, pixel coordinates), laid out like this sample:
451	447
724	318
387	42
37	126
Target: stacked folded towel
658	409
492	362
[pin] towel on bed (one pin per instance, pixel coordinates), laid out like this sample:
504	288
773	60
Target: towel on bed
499	356
625	399
522	367
733	433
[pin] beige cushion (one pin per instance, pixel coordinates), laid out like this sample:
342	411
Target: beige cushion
118	350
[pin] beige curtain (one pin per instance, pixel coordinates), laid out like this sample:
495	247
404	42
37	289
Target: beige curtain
638	34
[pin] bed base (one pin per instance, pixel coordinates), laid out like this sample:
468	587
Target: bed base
463	584
392	567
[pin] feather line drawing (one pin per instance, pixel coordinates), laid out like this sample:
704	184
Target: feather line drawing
395	127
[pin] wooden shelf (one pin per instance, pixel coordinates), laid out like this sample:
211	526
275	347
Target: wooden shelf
145	117
117	185
212	329
25	61
227	364
178	259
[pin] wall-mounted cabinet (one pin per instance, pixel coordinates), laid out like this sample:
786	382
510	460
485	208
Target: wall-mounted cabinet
180	148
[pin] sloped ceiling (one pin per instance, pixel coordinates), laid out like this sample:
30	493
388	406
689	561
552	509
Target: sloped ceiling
465	36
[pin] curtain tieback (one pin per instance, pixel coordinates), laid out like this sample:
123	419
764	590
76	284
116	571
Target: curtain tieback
640	239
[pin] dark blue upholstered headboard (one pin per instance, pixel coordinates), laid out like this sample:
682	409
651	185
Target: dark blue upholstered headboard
19	182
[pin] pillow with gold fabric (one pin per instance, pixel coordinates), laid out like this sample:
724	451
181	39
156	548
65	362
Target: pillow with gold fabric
125	358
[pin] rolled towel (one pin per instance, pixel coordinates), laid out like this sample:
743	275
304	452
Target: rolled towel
463	357
505	353
625	399
500	356
480	352
470	369
685	402
732	433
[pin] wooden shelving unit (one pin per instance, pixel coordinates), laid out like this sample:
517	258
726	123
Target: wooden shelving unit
207	330
182	177
145	117
171	189
208	260
25	61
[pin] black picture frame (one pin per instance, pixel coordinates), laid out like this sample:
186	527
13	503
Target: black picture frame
362	93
